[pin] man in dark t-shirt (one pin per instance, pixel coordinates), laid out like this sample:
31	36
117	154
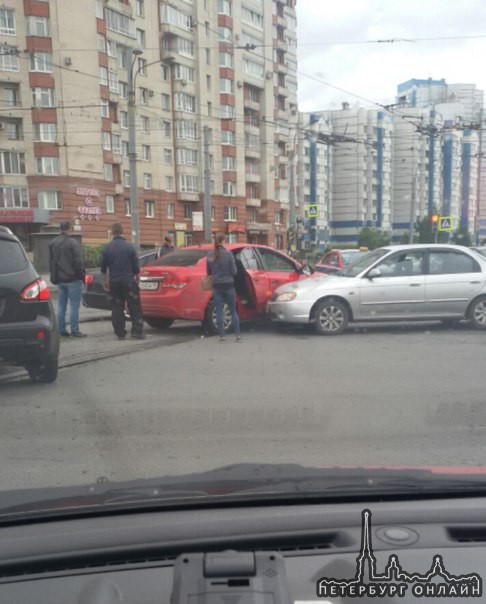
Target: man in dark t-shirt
120	260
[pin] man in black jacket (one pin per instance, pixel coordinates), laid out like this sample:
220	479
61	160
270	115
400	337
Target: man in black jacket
120	259
67	270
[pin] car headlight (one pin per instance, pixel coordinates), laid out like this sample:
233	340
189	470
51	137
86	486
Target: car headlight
285	297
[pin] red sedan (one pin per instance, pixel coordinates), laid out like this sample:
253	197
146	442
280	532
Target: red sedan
335	260
170	287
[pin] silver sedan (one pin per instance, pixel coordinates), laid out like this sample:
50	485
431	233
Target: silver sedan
394	283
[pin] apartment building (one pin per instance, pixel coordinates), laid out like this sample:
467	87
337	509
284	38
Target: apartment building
212	82
362	167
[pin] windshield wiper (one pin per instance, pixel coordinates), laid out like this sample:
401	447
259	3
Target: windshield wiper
233	484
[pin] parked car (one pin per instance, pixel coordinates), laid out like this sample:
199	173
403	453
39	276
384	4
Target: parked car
170	287
396	283
94	295
29	334
335	260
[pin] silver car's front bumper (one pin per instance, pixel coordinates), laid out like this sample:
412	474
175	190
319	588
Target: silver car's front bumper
289	312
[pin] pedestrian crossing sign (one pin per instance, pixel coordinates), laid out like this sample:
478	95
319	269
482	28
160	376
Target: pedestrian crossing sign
445	223
312	210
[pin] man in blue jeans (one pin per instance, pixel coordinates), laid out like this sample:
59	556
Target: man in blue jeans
67	270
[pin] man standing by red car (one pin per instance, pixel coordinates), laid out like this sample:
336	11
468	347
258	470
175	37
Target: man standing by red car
120	259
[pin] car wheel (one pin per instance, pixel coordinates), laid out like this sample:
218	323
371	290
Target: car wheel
331	318
159	322
210	323
44	372
477	313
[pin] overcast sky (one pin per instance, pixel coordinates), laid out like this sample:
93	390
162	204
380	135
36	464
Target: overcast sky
337	48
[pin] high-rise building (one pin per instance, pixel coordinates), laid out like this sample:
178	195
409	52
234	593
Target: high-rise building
212	82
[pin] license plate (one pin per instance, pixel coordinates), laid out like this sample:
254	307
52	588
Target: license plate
148	285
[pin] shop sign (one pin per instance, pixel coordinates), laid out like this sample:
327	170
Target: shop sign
88	211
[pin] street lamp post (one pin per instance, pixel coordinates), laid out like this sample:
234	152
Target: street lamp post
132	149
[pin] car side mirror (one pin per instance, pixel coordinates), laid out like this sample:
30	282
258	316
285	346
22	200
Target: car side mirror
374	272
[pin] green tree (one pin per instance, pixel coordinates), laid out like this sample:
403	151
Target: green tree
462	237
372	238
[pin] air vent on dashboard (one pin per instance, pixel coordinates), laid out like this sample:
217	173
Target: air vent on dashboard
468	534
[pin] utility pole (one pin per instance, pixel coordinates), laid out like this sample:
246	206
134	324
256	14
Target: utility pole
413	202
207	187
132	147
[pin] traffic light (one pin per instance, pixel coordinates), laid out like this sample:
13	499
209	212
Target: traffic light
434	219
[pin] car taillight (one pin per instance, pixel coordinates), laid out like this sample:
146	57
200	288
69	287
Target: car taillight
36	291
175	282
88	279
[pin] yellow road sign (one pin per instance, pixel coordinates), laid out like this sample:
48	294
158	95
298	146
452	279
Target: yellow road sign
445	223
312	210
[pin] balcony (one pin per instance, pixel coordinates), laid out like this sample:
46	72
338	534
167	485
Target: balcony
251	104
254	203
252	177
253	152
187	197
258	226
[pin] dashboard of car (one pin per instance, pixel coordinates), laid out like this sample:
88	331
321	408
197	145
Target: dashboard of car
290	551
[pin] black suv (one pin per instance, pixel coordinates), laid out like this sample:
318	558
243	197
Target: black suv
29	335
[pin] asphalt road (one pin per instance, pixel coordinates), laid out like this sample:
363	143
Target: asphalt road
178	403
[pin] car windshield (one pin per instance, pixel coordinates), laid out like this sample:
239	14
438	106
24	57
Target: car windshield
181	258
173	173
362	263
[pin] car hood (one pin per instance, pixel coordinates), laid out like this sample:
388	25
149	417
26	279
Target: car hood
316	281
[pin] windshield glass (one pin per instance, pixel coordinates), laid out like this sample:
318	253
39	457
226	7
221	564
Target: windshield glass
176	172
362	263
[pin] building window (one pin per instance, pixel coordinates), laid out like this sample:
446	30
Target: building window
145	124
186	129
185	47
188	211
116	144
169	183
14	197
227	112
103	76
10	97
110	204
252	18
232	237
188	157
213	214
14	130
225	34
124	120
113	81
230	214
166	129
188	183
143	96
208	56
142	66
145	152
185	102
43	97
226	85
227	137
106	136
12	162
279	242
108	171
105	108
165	102
147	181
47	165
9	60
278	217
149	209
126	179
125	149
168	156
187	239
7	22
140	8
228	163
99	9
224	7
37	26
229	189
226	59
123	90
140	38
41	61
45	133
170	211
176	17
120	23
49	200
128	209
102	43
